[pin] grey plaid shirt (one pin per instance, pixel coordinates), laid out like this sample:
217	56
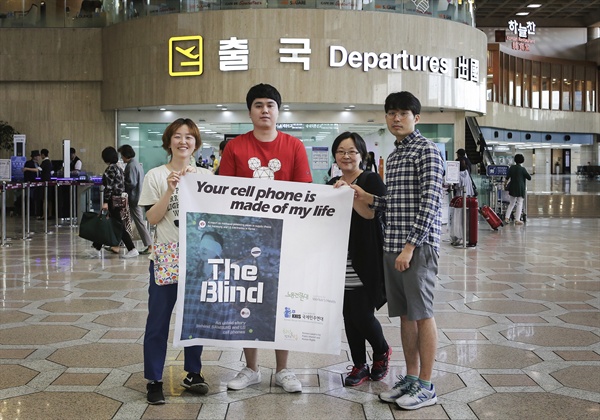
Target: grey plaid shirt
412	205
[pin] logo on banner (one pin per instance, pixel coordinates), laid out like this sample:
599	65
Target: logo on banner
185	56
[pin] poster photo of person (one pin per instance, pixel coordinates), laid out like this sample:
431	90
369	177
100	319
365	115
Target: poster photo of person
232	277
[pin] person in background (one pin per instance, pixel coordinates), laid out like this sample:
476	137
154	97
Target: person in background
461	156
265	153
76	163
364	290
31	170
113	181
465	183
221	149
515	184
370	163
134	179
160	196
46	176
412	204
213	163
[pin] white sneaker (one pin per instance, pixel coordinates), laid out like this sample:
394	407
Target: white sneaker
244	378
130	254
399	389
417	397
286	379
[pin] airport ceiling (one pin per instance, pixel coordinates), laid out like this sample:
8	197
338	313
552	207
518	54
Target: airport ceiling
551	13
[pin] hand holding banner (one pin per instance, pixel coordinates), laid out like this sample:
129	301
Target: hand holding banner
257	266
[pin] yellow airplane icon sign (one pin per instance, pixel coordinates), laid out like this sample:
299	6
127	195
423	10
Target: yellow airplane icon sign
185	56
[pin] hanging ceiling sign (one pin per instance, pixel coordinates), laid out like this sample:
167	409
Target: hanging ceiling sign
520	39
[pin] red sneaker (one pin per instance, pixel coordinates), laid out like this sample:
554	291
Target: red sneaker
381	365
357	376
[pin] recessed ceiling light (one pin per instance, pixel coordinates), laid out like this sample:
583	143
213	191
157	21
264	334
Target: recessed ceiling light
219	106
162	109
534	6
351	106
522	13
224	109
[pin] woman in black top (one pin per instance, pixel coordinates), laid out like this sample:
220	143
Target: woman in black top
113	181
364	290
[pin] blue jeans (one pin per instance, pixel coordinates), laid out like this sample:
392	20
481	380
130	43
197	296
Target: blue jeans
161	301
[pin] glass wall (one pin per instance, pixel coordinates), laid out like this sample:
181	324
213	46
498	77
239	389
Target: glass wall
100	13
552	84
146	140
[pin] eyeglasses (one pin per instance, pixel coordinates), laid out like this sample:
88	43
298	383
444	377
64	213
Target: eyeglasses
402	114
351	153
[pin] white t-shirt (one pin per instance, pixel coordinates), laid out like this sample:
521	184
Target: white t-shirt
155	186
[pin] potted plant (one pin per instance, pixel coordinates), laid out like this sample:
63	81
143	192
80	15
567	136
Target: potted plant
6	136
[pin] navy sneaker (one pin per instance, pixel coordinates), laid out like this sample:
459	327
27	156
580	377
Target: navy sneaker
381	365
357	376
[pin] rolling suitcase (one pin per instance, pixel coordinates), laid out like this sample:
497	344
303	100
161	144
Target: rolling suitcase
491	217
456	221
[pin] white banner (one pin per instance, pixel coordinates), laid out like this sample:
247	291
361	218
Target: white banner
261	263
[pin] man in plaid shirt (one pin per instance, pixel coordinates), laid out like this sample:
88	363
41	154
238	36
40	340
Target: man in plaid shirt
412	205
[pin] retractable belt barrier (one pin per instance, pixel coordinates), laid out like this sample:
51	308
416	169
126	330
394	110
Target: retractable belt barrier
75	188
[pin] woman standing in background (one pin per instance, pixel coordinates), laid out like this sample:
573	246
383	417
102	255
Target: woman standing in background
515	184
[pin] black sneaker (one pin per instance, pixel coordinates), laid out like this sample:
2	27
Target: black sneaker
155	393
194	382
381	365
357	376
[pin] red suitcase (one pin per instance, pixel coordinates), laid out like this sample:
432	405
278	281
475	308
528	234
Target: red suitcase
492	218
472	218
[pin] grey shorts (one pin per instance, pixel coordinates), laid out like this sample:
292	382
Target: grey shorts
411	292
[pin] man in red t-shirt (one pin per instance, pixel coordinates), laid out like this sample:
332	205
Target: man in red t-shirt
265	153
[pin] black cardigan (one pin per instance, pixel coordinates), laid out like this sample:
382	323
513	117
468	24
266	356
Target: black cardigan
365	245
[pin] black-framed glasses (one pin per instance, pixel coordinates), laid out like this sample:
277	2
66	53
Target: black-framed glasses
350	153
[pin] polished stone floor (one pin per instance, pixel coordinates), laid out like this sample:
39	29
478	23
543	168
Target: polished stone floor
518	320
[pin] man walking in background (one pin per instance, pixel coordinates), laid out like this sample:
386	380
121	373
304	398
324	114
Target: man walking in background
134	179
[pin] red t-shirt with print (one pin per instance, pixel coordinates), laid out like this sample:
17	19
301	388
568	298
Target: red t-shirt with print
283	159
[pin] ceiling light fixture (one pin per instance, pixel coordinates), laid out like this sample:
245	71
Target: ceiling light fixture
522	13
534	6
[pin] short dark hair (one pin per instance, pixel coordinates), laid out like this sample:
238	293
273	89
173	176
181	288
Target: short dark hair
262	90
519	158
461	152
223	144
403	101
127	151
45	152
35	153
73	151
110	155
360	144
173	127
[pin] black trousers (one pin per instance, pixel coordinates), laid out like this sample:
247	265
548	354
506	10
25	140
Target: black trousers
361	325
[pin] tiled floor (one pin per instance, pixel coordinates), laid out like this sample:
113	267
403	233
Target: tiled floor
518	319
